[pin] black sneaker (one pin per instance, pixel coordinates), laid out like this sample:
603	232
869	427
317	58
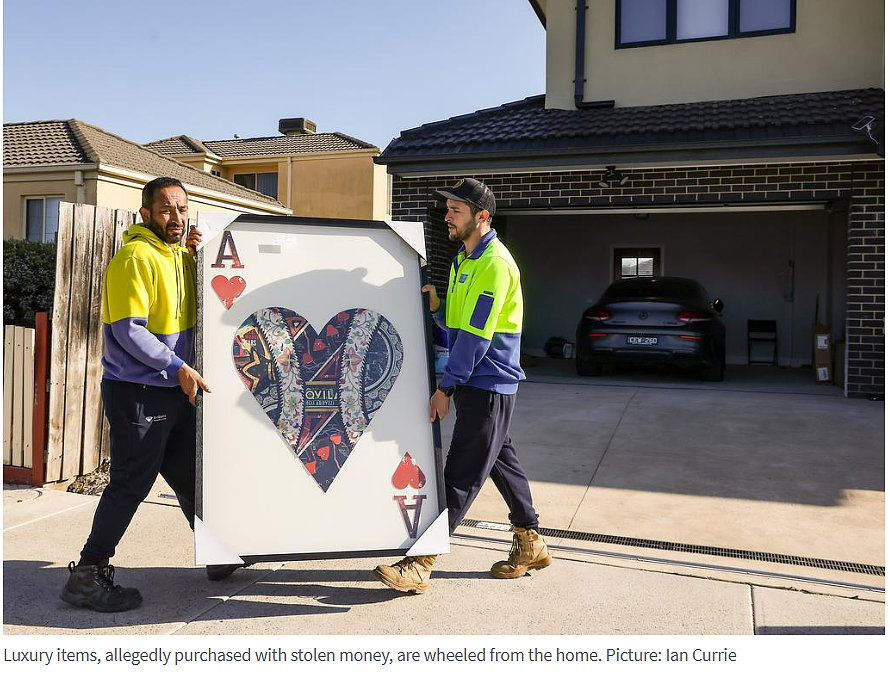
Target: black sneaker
92	587
221	571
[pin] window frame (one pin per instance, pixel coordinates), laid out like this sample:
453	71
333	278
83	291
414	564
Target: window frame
35	197
671	28
656	252
256	181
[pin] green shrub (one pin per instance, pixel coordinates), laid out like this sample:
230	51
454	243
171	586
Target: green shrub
29	279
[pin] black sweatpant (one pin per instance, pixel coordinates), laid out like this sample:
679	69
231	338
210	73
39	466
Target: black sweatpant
152	431
481	447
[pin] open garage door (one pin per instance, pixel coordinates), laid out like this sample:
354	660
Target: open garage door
785	265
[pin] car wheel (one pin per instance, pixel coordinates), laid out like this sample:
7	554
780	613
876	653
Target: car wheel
586	369
714	371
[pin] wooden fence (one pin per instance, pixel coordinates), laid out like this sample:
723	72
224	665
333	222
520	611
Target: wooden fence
18	396
25	367
78	436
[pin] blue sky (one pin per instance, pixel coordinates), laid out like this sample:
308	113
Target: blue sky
214	68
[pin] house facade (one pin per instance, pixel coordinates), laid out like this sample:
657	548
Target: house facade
46	162
329	175
738	143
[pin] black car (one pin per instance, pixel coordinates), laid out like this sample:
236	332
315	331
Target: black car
655	319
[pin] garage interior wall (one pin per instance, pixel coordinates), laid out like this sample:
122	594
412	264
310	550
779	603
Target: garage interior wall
745	259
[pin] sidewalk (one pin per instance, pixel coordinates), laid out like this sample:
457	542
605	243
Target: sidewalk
745	473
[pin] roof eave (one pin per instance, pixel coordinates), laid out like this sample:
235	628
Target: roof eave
49	168
851	148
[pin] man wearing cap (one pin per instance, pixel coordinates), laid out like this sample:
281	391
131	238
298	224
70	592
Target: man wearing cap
482	314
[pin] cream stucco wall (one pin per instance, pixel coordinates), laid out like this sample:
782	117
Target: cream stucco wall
335	186
382	193
16	187
113	195
836	45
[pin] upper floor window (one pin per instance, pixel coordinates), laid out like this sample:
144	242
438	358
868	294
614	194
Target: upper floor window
265	183
641	23
42	218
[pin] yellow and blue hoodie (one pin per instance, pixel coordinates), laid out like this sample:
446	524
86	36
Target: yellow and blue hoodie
149	310
482	314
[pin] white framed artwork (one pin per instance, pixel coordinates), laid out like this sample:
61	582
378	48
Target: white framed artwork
315	441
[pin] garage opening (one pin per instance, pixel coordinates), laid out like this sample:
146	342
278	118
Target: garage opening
784	265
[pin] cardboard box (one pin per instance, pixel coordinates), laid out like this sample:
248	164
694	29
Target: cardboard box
822	352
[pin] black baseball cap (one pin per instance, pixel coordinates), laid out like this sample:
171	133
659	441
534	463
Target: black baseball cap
473	192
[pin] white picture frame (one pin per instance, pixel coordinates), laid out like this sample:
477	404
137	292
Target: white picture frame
315	441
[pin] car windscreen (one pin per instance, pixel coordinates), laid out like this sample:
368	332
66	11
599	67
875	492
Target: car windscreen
685	291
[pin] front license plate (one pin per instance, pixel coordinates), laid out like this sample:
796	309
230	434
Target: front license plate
642	341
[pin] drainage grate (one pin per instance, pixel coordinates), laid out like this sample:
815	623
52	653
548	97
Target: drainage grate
852	567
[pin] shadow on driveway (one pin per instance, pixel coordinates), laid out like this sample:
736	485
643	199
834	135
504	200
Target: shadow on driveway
31	595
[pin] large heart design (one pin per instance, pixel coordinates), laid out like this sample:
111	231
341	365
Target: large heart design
319	389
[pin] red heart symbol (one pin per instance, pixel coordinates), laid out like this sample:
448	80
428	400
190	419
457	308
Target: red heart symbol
318	345
408	473
331	331
307	358
336	438
323	452
228	289
311	467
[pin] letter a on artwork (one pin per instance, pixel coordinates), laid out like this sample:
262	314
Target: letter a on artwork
227	241
410	525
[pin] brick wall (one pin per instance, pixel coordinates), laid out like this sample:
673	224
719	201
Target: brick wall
865	281
859	186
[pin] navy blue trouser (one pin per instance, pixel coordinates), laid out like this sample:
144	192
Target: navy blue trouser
152	431
481	447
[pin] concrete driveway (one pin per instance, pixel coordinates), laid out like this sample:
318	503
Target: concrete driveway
675	508
762	463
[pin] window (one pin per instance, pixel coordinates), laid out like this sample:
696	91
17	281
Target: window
641	23
216	173
42	218
634	262
265	183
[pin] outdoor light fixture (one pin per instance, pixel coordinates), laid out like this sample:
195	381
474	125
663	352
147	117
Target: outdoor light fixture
611	175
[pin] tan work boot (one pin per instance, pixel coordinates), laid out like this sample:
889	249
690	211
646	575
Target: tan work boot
411	574
529	551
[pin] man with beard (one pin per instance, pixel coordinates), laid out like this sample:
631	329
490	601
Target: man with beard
482	314
148	387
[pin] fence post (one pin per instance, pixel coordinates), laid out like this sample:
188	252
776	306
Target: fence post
41	394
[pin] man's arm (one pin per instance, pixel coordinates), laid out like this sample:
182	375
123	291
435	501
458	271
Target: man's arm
437	305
